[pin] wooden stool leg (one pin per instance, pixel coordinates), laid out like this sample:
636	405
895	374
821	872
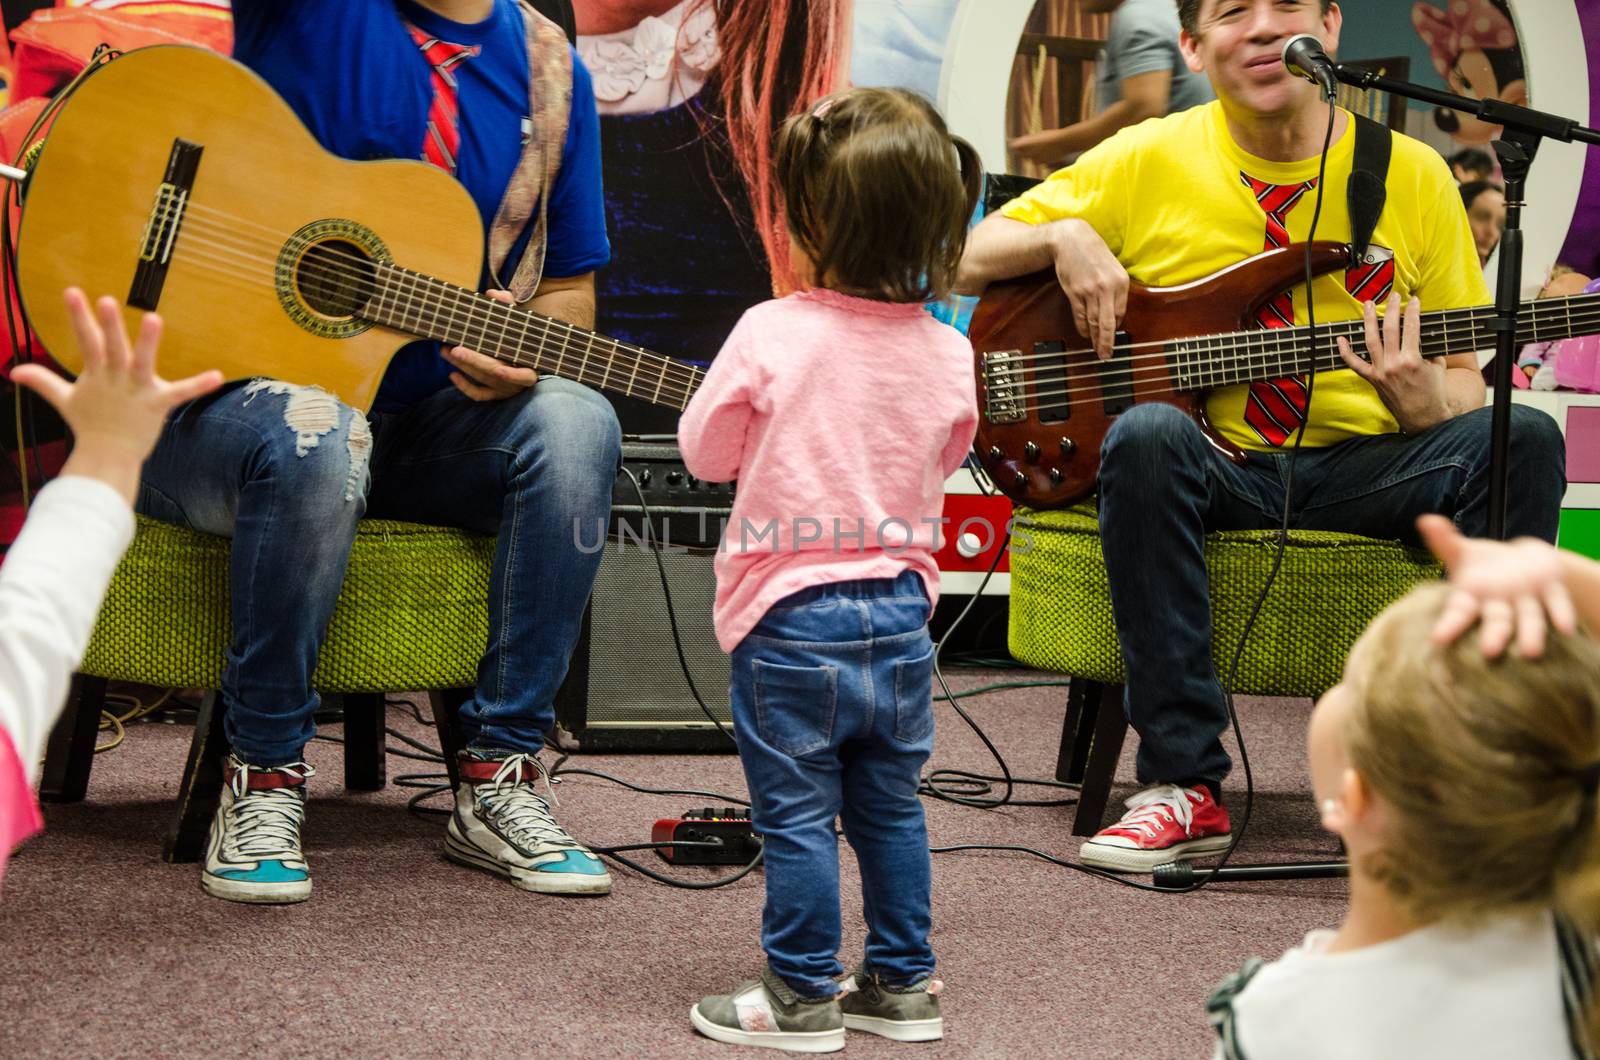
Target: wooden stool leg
1102	704
1077	730
201	788
69	755
364	721
445	702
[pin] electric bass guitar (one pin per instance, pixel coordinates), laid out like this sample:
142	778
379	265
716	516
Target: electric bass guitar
1046	402
179	181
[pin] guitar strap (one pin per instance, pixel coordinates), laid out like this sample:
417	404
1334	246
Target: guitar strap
549	104
1365	193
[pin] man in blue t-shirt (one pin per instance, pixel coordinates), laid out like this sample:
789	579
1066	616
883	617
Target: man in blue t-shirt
455	438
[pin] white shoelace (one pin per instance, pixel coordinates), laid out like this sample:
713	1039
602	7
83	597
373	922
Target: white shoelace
1148	808
520	813
265	824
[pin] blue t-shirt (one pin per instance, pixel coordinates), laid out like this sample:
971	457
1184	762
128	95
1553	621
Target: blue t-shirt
351	71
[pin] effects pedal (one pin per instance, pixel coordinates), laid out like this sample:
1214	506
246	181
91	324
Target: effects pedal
728	828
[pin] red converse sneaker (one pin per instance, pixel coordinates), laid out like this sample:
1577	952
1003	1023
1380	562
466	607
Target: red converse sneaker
1164	823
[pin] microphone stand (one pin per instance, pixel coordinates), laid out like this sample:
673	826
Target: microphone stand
1522	130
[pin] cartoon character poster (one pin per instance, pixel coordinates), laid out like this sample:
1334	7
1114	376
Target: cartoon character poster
1473	46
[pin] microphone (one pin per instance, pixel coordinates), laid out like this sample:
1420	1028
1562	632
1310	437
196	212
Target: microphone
1304	57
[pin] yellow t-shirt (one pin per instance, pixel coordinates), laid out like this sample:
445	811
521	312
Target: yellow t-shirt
1167	196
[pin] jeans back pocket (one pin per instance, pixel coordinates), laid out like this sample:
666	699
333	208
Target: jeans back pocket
913	698
795	706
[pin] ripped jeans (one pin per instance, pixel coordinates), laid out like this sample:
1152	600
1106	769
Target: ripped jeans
286	472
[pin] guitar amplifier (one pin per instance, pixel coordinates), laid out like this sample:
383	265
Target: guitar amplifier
625	689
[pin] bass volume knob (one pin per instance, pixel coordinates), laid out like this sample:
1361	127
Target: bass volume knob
1030	452
1068	447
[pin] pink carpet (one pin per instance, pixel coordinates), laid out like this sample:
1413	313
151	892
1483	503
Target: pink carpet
109	952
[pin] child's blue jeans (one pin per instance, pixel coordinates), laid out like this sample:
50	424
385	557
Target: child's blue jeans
833	710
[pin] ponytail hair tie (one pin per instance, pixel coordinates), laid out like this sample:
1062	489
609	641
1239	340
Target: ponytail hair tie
1589	777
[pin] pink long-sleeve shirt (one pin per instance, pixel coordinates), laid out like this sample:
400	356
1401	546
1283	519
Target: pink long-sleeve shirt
841	417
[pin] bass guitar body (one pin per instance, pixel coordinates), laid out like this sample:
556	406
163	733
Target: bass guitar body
178	181
1046	402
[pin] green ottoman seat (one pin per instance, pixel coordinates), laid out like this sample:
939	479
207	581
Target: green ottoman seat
1329	587
412	615
413	612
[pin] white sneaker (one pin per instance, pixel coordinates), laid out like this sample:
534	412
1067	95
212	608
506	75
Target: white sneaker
501	825
253	854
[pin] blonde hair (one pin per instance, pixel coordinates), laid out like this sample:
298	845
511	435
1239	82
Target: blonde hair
1484	763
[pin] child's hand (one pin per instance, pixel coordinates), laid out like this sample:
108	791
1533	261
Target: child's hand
1507	586
118	404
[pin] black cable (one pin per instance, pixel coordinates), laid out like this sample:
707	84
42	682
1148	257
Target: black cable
672	615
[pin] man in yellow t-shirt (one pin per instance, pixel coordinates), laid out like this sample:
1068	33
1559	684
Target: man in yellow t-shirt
1390	437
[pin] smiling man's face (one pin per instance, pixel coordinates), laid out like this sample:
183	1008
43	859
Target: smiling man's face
1239	45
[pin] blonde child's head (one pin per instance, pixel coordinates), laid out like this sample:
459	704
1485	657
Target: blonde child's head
1464	785
877	194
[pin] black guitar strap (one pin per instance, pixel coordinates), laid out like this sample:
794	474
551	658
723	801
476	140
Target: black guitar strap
1365	193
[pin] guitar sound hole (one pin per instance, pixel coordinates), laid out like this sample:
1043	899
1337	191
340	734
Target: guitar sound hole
335	278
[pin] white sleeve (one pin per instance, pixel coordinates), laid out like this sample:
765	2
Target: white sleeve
51	585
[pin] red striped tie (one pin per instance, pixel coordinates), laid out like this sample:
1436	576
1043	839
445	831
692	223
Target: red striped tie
444	135
1276	409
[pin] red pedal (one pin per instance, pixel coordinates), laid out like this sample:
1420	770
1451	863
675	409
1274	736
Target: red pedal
735	843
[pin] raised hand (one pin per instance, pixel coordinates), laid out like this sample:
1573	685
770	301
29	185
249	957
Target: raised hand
1510	588
118	403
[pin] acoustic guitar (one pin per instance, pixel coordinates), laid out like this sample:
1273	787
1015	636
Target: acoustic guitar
1046	402
179	181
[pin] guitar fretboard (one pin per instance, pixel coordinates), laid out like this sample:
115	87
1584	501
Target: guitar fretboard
1249	356
433	309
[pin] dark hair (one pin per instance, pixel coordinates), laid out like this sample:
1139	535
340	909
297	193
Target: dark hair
1473	160
878	193
1189	14
1474	188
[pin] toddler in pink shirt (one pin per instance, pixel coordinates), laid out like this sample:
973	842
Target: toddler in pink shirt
841	410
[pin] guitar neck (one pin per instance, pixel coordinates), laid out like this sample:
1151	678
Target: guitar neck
433	309
1253	356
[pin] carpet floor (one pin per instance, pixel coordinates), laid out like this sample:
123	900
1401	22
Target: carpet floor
109	952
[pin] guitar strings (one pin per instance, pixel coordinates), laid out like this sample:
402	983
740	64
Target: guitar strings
1267	340
460	300
464	307
1283	344
1264	357
362	274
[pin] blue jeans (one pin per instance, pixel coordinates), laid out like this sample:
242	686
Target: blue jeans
287	472
1163	486
832	706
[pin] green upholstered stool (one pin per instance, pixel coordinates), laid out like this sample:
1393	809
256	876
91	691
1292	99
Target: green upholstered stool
412	614
1329	587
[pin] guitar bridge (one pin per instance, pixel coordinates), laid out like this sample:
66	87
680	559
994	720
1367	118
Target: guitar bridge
1002	387
161	228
